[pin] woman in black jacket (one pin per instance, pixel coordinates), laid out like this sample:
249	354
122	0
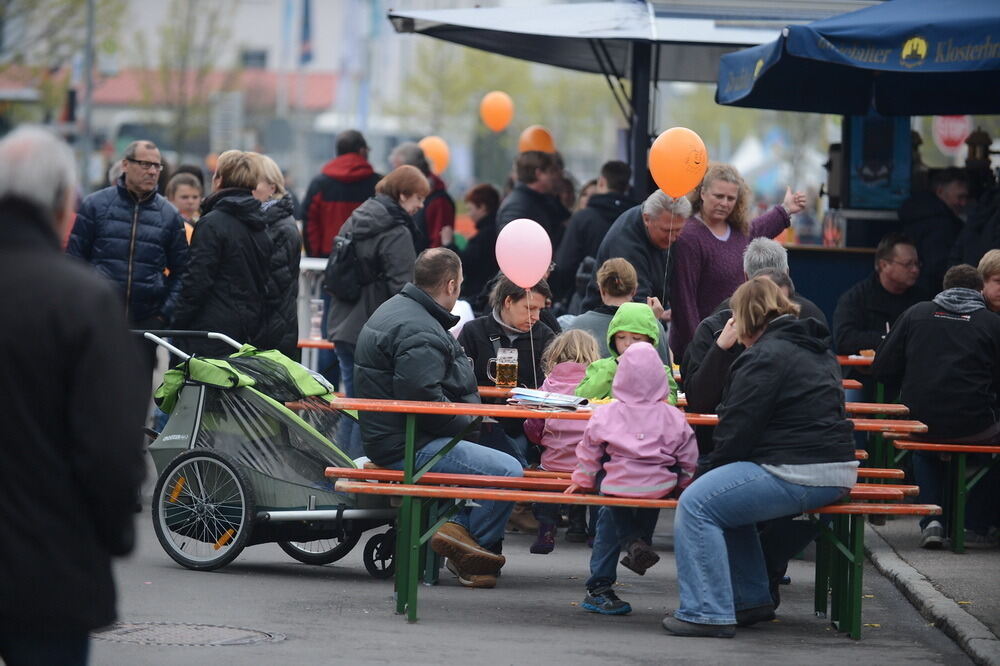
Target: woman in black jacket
513	323
783	446
228	286
282	326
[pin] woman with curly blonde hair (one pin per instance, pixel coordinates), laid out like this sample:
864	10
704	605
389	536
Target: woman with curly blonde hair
708	255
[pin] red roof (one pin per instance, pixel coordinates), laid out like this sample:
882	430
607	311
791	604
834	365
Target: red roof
136	86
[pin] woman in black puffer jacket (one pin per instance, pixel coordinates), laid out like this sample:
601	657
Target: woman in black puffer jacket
783	446
282	332
228	286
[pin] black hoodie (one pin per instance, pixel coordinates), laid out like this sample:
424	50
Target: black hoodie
947	358
784	404
282	318
587	228
228	286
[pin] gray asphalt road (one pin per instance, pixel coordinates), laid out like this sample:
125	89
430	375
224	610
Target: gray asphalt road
970	579
338	614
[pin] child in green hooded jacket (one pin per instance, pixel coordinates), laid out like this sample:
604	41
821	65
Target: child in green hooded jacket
634	322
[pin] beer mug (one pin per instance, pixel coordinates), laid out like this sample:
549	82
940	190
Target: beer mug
506	368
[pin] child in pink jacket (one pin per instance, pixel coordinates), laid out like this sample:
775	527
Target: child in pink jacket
636	446
565	363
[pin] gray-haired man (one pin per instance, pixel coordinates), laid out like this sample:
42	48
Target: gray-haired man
642	235
72	403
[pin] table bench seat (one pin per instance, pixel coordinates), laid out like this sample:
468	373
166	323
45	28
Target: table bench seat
959	483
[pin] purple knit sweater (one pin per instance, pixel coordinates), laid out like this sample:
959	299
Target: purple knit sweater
706	271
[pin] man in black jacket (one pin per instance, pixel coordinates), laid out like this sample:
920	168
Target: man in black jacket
405	352
866	312
588	226
932	220
72	403
945	355
643	235
532	197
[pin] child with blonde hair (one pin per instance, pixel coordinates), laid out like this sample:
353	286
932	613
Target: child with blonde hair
565	363
636	446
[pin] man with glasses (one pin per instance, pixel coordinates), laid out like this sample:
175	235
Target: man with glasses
867	311
135	237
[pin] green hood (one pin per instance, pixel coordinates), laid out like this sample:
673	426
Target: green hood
634	318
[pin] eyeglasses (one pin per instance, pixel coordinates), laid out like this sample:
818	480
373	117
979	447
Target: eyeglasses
146	166
908	264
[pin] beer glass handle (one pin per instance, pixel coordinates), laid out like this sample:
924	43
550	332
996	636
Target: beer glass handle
488	373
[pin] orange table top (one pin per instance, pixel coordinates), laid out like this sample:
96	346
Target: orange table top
306	343
512	411
856	359
886	409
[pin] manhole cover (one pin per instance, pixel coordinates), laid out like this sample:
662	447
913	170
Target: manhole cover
180	634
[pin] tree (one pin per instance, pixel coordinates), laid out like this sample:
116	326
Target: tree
190	44
40	39
444	88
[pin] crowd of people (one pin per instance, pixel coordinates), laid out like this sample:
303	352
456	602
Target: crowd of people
636	287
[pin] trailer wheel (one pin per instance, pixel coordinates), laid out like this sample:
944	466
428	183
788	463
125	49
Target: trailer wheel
203	509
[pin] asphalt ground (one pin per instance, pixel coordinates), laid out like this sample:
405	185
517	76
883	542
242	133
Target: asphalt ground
959	592
338	614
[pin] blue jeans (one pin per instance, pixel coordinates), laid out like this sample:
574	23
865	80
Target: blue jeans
932	475
486	521
616	528
717	515
349	436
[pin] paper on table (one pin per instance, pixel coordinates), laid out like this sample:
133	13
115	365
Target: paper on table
525	396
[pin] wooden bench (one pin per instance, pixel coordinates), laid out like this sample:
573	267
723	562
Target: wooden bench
844	542
959	483
840	557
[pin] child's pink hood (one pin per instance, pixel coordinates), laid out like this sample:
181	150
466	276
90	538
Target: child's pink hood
642	435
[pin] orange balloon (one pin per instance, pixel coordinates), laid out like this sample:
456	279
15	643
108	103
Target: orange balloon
496	110
678	161
536	137
436	151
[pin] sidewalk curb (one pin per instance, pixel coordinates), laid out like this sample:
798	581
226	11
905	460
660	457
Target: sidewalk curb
971	635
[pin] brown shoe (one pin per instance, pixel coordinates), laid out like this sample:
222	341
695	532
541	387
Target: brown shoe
471	580
522	519
454	542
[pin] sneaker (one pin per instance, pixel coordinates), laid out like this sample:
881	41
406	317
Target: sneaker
522	520
976	540
454	542
932	536
604	601
683	628
748	616
484	581
545	542
640	557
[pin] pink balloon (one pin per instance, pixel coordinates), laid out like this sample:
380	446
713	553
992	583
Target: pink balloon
524	252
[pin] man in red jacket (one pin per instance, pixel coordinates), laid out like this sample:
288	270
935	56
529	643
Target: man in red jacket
344	183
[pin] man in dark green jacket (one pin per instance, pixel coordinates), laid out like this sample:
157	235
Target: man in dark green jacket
405	352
